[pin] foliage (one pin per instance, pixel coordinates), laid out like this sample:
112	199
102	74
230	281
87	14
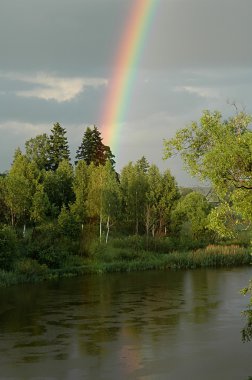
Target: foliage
104	197
134	185
59	149
37	149
30	268
58	186
192	209
8	247
226	142
20	186
40	205
80	188
92	149
67	223
247	329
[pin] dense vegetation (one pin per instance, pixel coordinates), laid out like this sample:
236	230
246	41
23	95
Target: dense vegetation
62	219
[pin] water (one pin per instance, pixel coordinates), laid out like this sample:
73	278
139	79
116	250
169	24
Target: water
149	325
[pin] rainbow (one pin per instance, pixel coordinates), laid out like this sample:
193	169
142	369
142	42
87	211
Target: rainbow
125	64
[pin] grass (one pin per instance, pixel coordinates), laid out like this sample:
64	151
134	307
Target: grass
115	258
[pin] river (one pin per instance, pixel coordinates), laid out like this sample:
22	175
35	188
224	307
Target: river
154	325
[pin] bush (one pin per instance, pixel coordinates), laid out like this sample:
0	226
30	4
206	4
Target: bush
8	247
53	257
30	268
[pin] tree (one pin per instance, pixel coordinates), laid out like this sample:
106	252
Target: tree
80	187
38	149
134	185
169	197
59	149
143	164
153	198
104	197
192	209
40	205
3	206
8	247
92	149
20	186
220	151
58	186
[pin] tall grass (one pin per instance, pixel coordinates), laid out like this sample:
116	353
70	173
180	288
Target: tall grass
115	258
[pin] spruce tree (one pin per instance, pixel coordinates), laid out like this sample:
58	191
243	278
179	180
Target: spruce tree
92	149
59	149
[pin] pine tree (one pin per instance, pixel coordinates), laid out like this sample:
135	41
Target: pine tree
59	149
92	149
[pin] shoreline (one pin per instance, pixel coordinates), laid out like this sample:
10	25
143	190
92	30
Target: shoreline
32	272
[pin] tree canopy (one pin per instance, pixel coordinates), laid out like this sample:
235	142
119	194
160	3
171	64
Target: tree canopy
92	149
219	151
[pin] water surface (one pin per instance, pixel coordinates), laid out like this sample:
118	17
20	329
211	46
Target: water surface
150	325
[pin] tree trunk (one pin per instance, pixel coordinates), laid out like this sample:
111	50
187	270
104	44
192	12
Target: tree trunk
153	230
100	227
108	225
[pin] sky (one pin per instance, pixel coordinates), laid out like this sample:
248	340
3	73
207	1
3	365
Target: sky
57	59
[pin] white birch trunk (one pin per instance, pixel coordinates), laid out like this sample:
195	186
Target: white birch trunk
108	225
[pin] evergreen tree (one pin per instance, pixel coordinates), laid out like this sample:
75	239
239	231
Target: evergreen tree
92	149
59	149
143	164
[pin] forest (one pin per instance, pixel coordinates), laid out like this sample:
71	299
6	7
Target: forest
60	219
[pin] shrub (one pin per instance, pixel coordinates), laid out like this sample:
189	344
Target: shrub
53	257
8	247
30	268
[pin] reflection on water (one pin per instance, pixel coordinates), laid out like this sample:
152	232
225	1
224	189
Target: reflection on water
151	325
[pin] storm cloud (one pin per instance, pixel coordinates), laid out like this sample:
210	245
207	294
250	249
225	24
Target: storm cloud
57	59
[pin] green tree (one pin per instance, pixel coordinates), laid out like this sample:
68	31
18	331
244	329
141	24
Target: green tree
40	205
80	187
154	194
20	186
67	223
134	185
59	149
38	149
193	210
58	186
220	152
92	149
104	197
169	197
8	247
143	164
3	206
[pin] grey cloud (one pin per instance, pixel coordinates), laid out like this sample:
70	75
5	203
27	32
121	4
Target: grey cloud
201	33
56	34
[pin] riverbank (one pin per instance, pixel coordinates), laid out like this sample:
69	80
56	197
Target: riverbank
127	260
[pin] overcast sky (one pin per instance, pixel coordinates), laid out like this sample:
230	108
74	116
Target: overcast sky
57	61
